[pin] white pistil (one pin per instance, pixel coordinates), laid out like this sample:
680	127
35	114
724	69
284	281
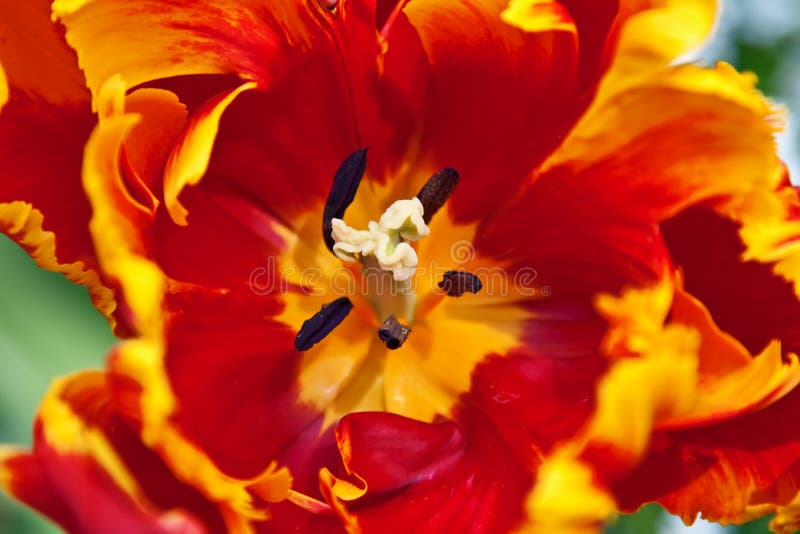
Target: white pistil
384	239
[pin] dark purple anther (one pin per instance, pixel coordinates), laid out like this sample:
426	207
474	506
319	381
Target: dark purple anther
393	333
322	323
456	283
345	185
436	191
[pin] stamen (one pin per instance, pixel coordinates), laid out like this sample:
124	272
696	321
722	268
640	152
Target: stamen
322	323
436	191
393	333
456	283
345	184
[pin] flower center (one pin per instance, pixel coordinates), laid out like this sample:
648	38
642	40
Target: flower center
388	261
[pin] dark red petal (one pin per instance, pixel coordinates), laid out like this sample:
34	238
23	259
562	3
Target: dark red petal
563	327
598	25
41	147
116	419
746	298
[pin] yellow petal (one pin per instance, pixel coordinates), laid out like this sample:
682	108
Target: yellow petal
660	31
566	499
3	87
538	15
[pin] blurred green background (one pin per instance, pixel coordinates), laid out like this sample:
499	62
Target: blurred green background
48	327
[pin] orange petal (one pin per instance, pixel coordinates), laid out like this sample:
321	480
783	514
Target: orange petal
118	218
35	56
657	135
732	381
643	162
3	87
567	499
184	38
148	145
181	38
787	517
733	471
658	382
720	378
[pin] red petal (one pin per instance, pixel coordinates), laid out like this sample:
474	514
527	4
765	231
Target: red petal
390	452
263	156
234	371
89	471
568	246
524	100
78	495
430	477
534	402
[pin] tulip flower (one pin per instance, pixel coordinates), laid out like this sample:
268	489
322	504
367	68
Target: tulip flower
379	266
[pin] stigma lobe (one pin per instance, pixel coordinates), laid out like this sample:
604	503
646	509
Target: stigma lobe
322	323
